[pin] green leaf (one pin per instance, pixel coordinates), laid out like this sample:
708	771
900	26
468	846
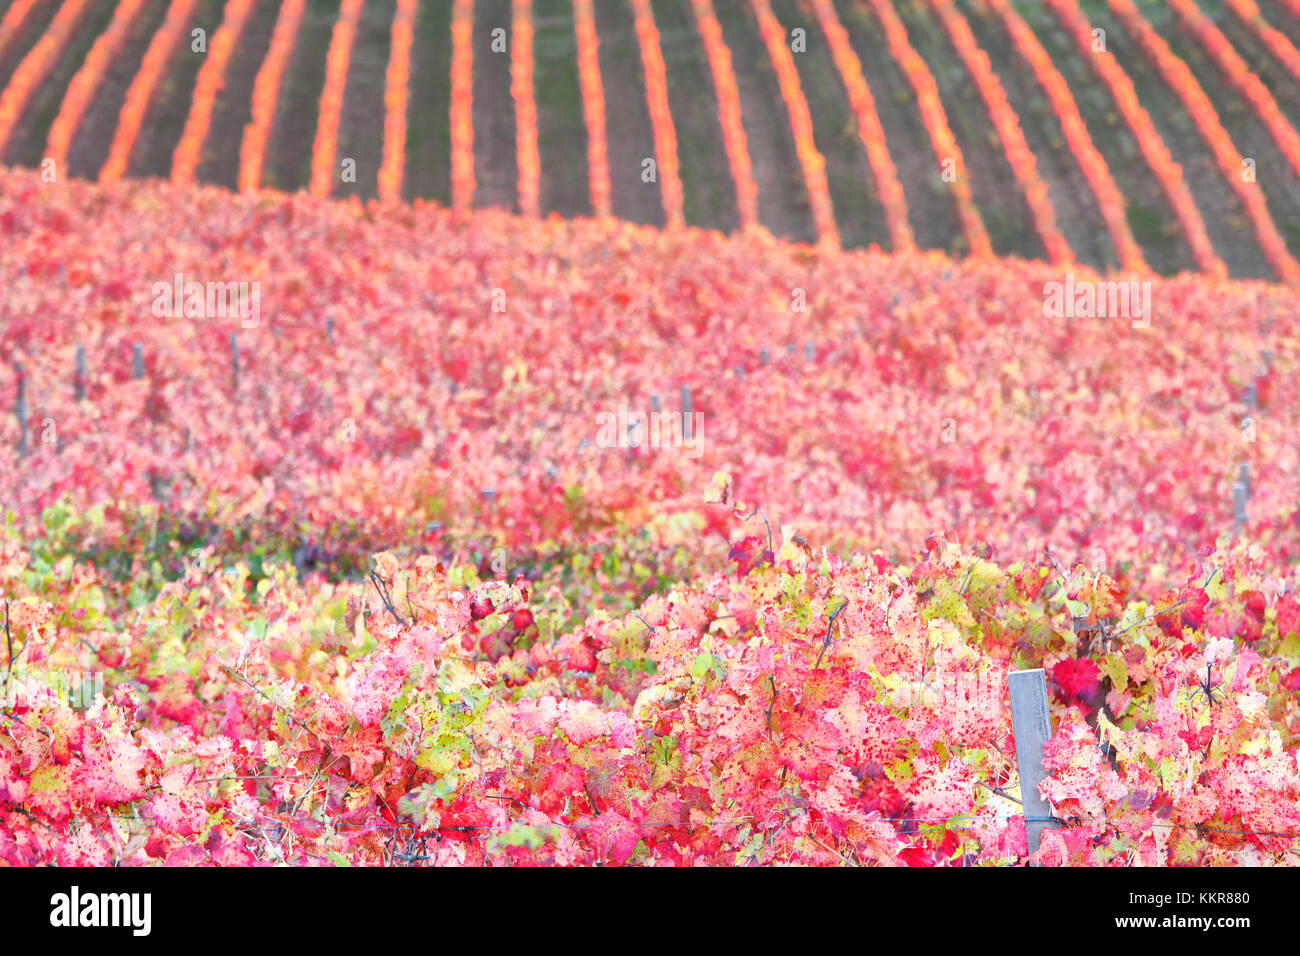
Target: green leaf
524	835
1290	649
900	770
700	666
1113	666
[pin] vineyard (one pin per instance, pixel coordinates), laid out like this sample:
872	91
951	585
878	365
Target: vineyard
1126	135
577	432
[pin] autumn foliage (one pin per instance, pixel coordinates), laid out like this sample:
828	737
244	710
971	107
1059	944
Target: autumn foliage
947	153
27	78
1109	198
323	171
189	151
463	183
41	47
13	20
266	91
82	89
870	129
734	138
1239	76
661	117
593	105
1274	39
1228	157
811	161
396	100
521	91
383	600
139	95
1157	154
1019	156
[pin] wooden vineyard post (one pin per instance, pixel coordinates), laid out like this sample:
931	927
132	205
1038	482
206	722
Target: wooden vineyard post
79	382
234	359
1031	723
1240	498
688	409
1239	518
20	409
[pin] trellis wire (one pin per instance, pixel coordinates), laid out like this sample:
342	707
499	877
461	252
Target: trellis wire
975	823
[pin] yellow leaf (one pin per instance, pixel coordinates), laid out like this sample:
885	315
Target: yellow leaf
438	761
719	490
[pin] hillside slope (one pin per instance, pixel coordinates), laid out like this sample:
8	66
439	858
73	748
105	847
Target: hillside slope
577	646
